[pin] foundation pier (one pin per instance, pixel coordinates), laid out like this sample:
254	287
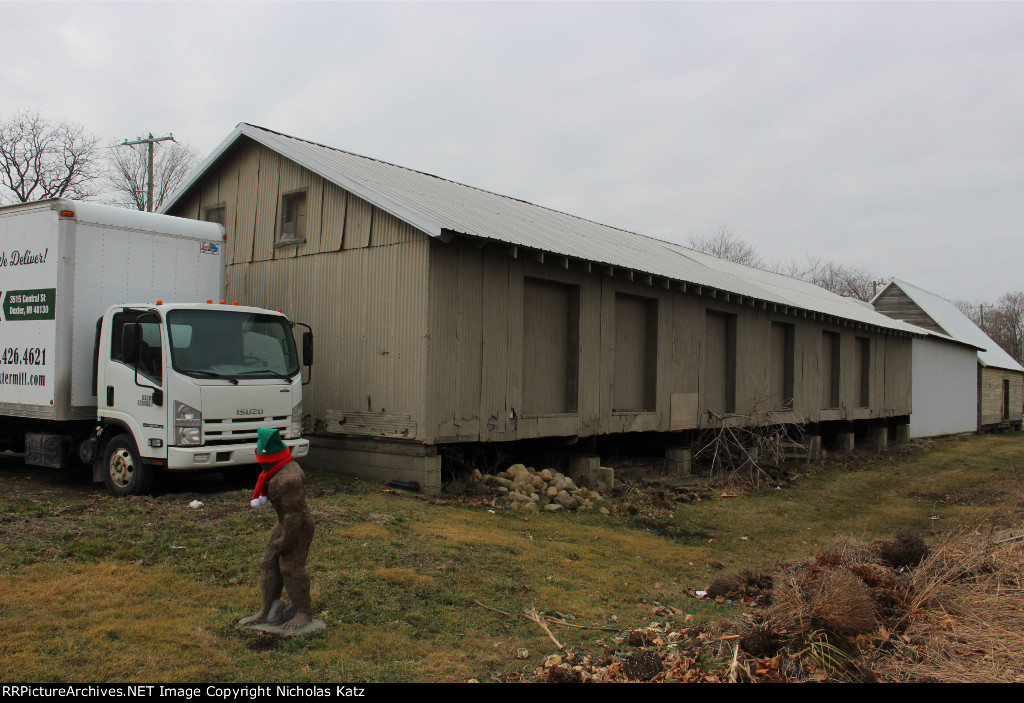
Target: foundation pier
678	461
878	436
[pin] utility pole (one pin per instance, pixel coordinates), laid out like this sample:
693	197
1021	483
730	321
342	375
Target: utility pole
151	140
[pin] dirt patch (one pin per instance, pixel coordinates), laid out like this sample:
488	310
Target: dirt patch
20	481
43	503
14	528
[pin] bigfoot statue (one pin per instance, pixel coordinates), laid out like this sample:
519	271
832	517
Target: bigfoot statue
283	565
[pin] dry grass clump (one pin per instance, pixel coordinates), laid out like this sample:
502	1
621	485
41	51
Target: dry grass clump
846	615
642	665
966	616
954	613
906	549
734	585
843	590
762	639
822	610
831	599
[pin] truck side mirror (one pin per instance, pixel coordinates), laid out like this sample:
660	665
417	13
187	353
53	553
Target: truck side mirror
307	348
130	343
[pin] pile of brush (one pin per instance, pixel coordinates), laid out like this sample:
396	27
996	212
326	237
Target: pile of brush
891	610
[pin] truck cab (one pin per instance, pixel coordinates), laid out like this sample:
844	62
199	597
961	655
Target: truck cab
185	387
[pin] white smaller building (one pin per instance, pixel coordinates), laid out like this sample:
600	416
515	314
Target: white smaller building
944	387
962	381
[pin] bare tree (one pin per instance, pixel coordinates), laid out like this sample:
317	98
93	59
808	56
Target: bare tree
725	244
40	159
128	173
1005	323
972	310
1003	320
841	279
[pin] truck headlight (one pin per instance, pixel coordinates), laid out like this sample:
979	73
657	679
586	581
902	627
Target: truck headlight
295	427
187	422
187	436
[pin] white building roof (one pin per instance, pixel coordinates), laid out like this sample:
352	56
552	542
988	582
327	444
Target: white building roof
957	325
440	208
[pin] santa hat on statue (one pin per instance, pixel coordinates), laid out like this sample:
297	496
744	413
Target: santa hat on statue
273	454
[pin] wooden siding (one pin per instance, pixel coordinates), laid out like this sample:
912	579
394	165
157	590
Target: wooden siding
478	355
718	384
990	395
862	371
783	363
359	280
636	345
550	348
896	304
831	359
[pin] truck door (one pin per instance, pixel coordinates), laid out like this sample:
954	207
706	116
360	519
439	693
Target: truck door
128	392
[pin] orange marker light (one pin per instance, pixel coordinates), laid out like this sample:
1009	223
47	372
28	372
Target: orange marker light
209	301
234	302
159	302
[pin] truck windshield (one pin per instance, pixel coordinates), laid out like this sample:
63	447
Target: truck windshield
218	343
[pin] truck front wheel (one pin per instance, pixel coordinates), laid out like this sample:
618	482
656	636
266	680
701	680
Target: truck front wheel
125	474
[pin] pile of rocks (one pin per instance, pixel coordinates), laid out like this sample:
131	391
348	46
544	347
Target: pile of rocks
529	489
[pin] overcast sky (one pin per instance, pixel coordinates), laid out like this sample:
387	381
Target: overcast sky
883	135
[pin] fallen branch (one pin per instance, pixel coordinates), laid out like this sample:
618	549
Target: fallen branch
1018	538
560	621
532	614
494	609
556	621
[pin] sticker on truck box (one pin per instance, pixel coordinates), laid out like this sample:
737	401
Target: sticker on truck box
35	304
209	248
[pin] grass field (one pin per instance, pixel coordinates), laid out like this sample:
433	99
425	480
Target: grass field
94	588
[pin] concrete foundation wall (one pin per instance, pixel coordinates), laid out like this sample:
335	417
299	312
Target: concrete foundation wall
377	460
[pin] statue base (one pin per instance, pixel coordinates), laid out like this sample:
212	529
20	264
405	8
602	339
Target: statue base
281	613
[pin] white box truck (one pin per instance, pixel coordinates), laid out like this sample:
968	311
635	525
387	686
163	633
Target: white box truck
117	350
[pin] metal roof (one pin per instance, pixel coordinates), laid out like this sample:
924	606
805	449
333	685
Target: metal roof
947	316
440	207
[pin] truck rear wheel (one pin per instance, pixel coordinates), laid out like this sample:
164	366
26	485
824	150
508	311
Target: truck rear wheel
124	473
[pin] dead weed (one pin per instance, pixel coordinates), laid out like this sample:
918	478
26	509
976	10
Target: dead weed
856	612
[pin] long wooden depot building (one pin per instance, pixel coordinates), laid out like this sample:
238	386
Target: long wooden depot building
446	314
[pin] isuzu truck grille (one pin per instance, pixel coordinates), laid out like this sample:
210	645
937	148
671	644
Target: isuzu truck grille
241	430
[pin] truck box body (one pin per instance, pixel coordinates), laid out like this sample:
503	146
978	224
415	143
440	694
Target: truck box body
116	350
62	264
